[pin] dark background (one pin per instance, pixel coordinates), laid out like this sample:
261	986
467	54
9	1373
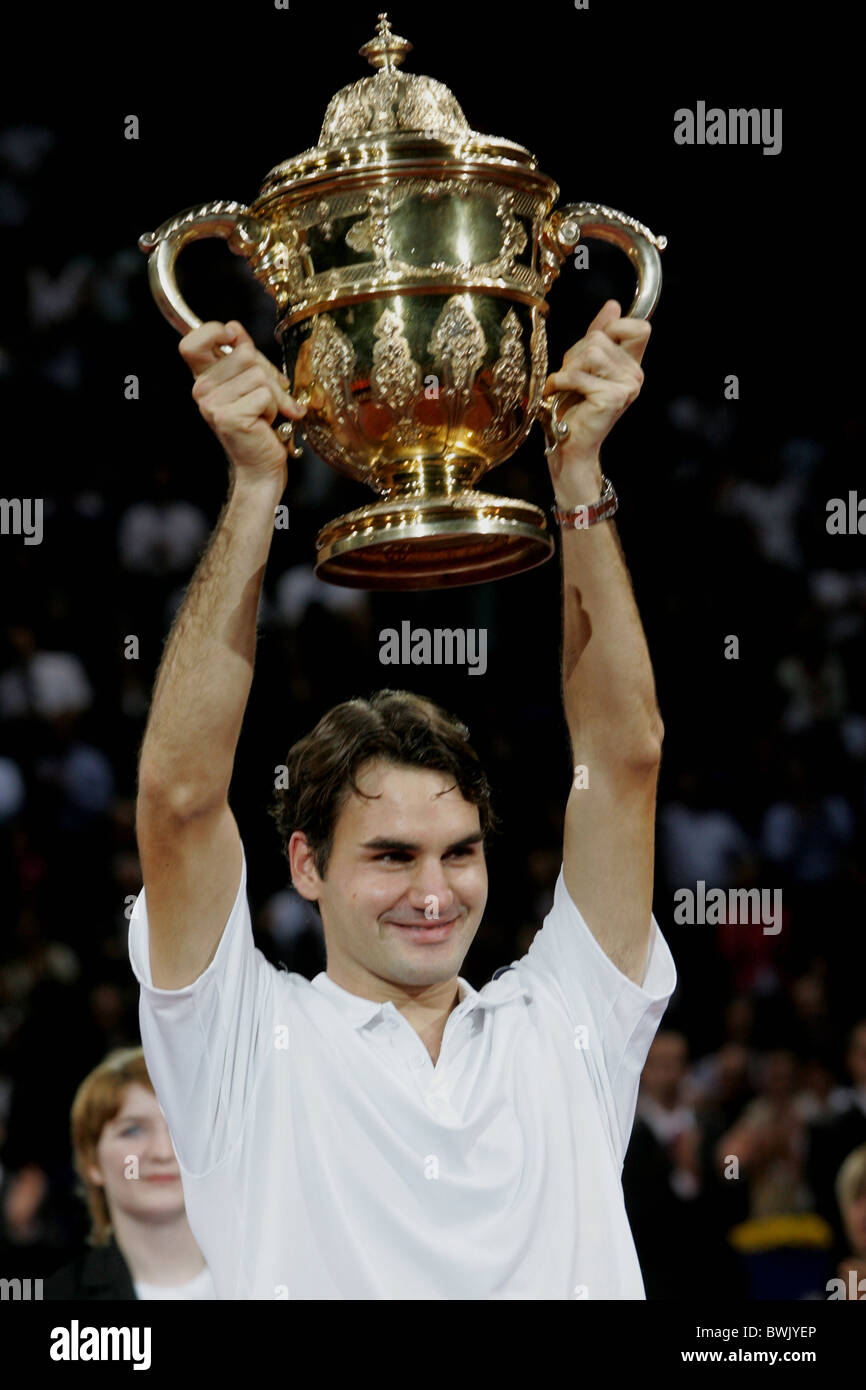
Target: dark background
722	518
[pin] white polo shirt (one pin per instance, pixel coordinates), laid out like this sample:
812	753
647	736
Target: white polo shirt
323	1156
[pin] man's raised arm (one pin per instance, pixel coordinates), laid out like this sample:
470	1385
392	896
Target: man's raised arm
188	840
608	687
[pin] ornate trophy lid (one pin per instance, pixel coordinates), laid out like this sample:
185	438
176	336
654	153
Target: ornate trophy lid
389	117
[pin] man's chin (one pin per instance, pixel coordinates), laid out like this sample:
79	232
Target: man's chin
422	968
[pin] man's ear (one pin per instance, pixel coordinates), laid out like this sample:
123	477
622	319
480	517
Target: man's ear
303	869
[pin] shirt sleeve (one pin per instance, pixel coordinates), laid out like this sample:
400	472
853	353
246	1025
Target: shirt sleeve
613	1020
203	1044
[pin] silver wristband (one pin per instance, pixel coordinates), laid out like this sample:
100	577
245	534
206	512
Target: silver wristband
588	513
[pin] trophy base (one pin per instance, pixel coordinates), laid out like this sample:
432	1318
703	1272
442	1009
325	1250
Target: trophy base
433	542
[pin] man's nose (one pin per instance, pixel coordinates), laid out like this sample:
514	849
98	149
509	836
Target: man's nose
430	891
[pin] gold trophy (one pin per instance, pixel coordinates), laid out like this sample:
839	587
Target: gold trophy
410	258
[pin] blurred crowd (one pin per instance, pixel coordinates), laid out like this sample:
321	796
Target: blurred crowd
754	1095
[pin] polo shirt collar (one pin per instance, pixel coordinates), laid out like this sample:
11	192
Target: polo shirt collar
361	1011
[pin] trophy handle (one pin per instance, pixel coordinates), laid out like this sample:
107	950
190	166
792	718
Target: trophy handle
245	236
561	233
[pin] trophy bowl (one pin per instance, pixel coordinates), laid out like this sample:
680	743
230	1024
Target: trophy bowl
410	258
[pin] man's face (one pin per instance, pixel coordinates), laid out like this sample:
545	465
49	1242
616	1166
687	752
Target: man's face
410	855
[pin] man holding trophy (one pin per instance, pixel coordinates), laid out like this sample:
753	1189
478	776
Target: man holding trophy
385	1131
323	1156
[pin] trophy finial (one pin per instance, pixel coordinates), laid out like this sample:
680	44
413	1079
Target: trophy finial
386	50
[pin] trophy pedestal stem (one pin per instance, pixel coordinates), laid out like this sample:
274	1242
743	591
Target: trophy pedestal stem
437	541
409	479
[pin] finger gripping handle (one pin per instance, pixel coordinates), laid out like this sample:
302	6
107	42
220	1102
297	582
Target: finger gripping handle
245	236
562	231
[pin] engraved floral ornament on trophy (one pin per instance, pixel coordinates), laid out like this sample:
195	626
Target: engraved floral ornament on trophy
410	258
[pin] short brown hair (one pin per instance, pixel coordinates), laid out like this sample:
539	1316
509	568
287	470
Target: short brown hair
97	1102
394	726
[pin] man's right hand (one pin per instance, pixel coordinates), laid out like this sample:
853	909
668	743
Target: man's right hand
240	394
